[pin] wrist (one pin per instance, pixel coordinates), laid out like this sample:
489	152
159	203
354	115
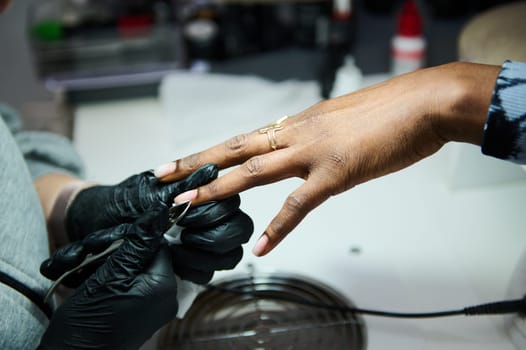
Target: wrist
57	217
463	95
90	209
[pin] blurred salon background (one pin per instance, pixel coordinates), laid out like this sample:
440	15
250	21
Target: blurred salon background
137	83
58	53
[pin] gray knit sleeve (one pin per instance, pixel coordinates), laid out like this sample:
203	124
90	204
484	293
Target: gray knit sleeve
44	152
505	129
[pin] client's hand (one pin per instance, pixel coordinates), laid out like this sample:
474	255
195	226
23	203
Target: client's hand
126	300
102	207
343	142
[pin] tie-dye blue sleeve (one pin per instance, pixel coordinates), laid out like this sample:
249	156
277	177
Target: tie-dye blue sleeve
505	129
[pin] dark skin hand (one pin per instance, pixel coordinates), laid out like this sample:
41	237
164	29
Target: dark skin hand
340	143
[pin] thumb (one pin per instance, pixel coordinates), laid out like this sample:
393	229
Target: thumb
137	252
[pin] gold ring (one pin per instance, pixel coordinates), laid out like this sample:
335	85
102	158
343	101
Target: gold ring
270	130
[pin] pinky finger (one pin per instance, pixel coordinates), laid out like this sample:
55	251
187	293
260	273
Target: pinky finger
297	205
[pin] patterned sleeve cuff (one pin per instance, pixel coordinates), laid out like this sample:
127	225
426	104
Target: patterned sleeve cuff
505	129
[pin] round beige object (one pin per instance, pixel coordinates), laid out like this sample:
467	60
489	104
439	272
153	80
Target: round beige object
495	35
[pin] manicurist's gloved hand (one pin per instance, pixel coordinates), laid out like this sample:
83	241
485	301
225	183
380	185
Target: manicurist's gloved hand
126	300
71	255
101	207
211	240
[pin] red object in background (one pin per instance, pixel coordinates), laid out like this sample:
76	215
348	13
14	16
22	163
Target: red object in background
408	46
134	25
409	21
342	10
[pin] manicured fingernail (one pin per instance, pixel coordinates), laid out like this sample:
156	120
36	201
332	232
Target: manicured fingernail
163	170
186	196
261	245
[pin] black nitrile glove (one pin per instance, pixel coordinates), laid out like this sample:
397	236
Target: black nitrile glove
71	255
126	300
101	207
212	239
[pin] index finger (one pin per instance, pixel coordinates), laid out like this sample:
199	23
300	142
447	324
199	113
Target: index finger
234	151
231	152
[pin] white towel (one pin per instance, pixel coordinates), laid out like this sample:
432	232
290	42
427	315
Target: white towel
205	109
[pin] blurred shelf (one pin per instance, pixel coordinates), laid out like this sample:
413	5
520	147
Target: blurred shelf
85	45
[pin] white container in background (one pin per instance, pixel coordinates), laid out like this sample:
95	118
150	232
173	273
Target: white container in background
348	78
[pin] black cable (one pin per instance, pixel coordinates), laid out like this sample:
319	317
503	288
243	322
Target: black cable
21	288
494	308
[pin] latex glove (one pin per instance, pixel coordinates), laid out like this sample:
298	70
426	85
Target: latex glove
342	142
101	207
211	241
126	300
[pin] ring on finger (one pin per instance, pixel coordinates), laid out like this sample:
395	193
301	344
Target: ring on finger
270	130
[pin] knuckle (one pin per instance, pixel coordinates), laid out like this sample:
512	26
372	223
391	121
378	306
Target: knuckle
236	144
337	160
191	162
295	203
210	190
339	177
313	117
254	166
315	120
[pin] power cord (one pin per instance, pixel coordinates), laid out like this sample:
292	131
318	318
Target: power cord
494	308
